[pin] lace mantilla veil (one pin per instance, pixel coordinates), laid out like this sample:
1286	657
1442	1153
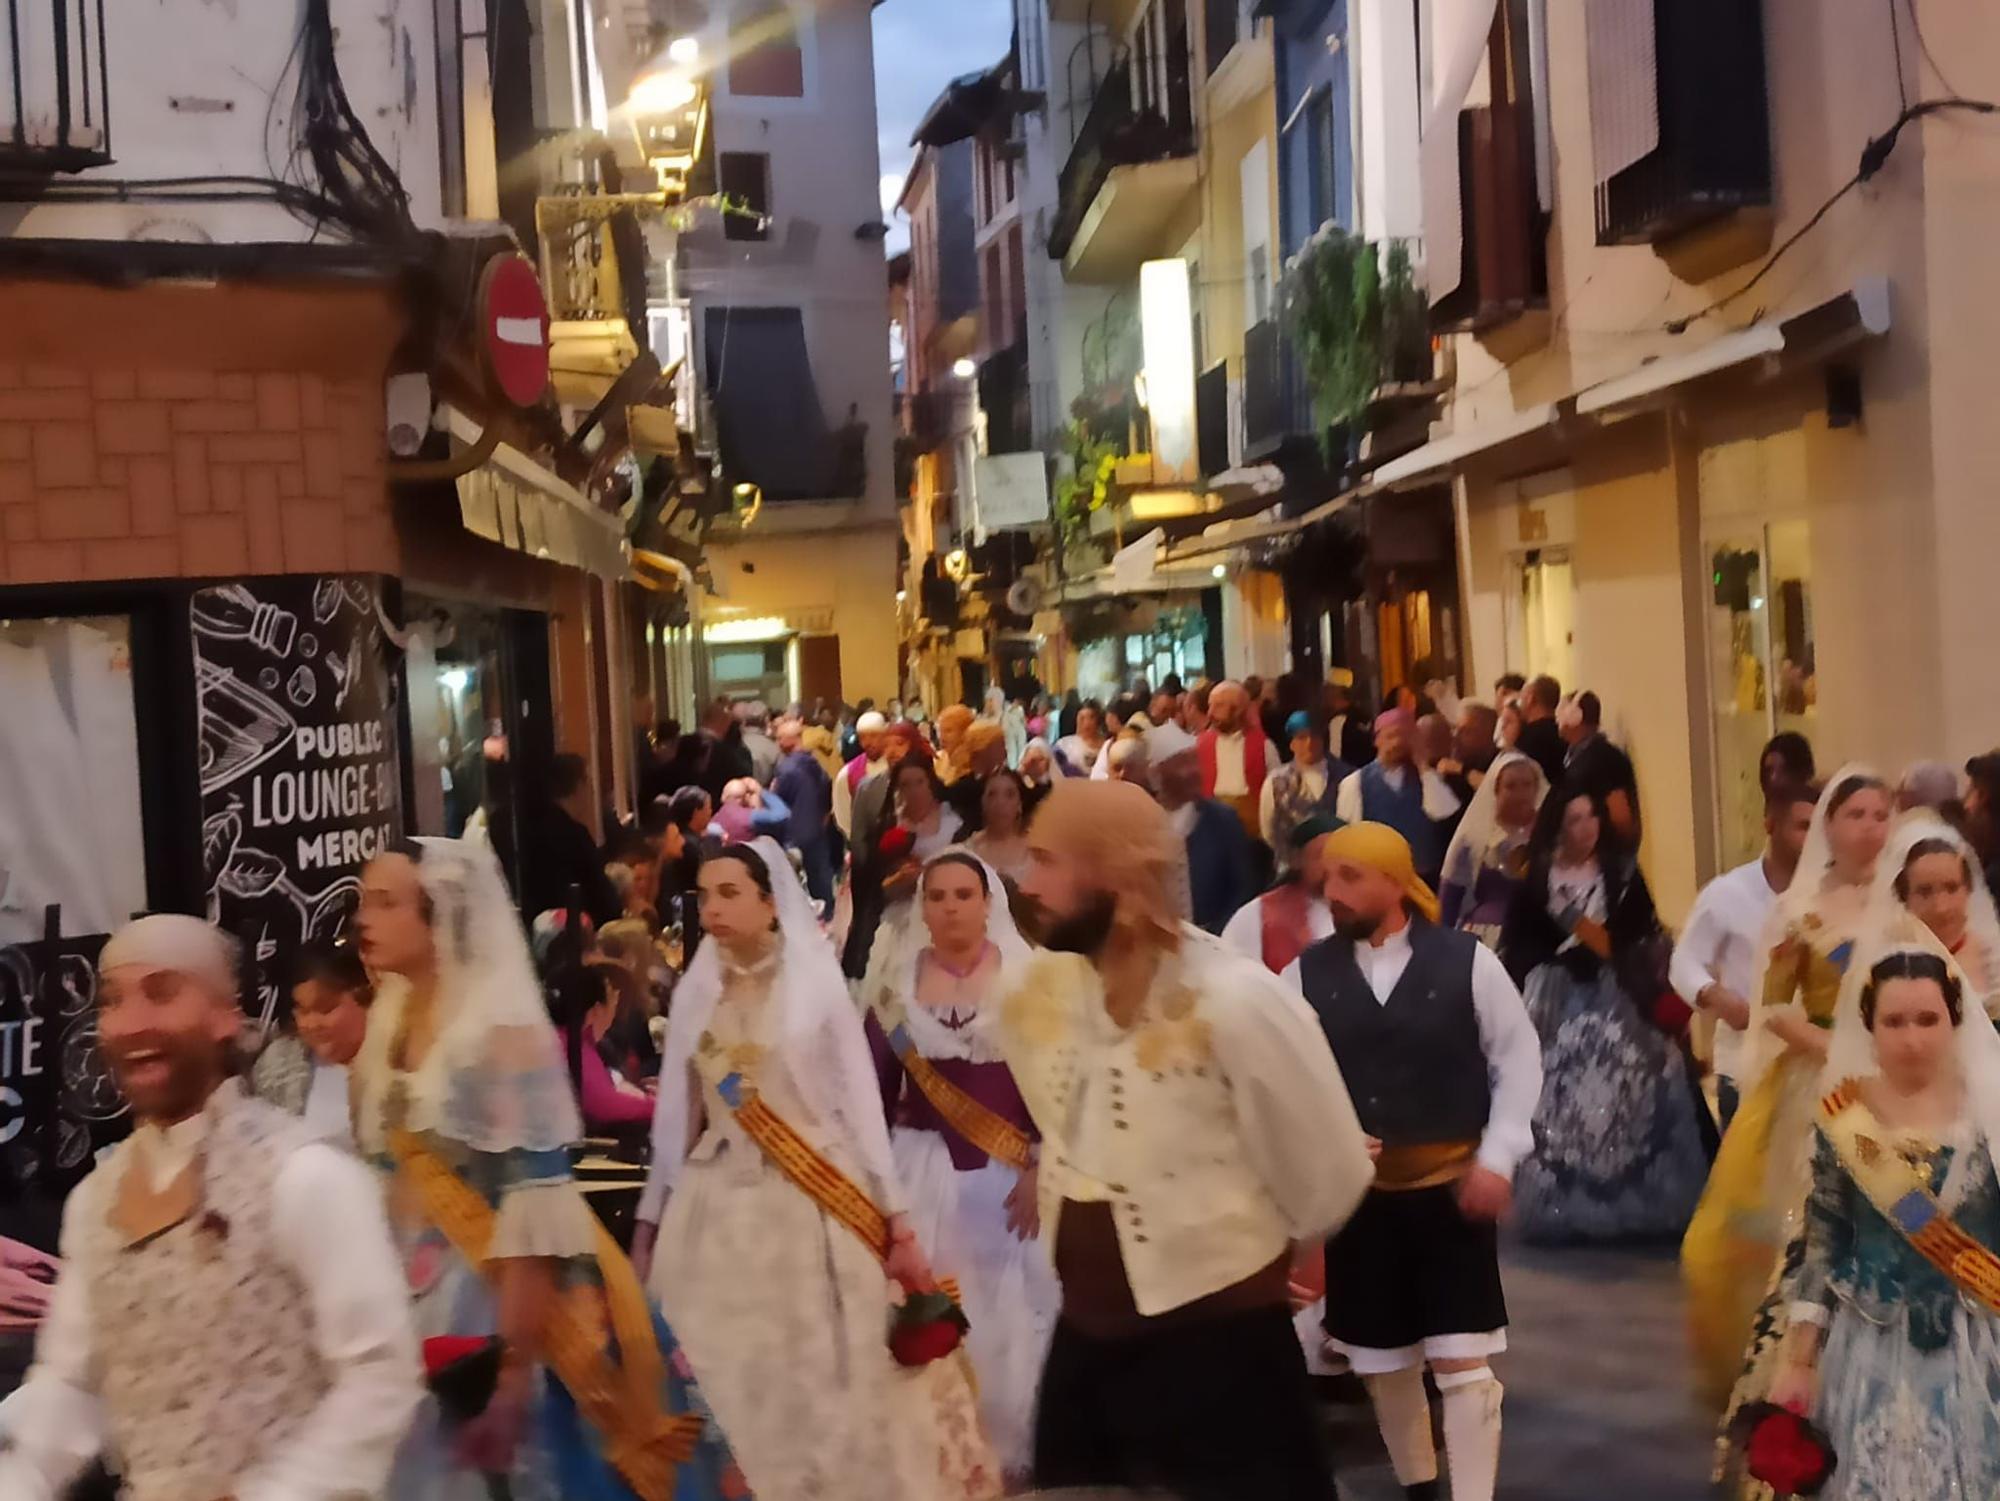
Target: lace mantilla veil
811	1026
495	1080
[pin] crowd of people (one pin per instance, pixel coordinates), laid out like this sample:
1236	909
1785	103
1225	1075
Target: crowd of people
1035	1096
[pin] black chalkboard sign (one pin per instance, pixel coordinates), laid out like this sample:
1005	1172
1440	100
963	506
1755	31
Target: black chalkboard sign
59	1105
299	760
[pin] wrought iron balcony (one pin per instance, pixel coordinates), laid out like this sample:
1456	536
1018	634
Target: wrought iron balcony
1118	132
52	72
1276	405
1714	151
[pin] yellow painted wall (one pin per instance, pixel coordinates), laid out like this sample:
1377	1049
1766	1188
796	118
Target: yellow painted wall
1225	139
848	575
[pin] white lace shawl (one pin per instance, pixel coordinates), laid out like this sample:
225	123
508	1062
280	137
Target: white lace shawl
813	1034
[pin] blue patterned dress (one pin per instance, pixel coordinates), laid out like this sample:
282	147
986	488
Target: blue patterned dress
1910	1373
1618	1149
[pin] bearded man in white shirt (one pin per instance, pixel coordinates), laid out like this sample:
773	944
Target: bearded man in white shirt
231	1320
1447	1069
1194	1129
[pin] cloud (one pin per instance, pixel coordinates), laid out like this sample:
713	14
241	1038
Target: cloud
920	46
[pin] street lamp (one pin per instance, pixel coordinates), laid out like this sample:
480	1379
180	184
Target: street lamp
684	50
663	91
964	367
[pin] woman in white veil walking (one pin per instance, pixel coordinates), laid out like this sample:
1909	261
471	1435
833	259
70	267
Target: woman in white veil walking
1886	1321
774	1220
965	1145
1488	857
1751	1207
462	1099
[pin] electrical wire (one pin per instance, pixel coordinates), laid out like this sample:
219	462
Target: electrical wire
1896	41
1924	47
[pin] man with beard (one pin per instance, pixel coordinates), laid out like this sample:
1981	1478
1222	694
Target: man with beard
1236	756
1194	1127
1448	1070
232	1319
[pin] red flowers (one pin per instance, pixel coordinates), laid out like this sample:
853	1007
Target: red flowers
928	1327
1785	1451
897	844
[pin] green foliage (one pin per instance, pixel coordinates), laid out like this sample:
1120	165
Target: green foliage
1082	488
1355	317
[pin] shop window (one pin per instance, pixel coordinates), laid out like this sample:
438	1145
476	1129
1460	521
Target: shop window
1762	665
766	57
745	179
70	827
458	727
1541	627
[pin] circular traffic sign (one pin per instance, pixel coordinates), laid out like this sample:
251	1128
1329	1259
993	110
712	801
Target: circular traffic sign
514	322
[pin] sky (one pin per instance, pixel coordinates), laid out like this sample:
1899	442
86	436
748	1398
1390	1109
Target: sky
920	46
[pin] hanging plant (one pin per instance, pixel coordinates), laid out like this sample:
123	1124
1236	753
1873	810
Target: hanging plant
1092	459
1352	322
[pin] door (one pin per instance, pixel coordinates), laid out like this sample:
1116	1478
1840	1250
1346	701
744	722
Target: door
819	669
1541	614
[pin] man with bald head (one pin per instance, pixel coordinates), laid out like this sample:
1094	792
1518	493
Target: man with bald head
232	1318
1447	1069
1236	755
1193	1127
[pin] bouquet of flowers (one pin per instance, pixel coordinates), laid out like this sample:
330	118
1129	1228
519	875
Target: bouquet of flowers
927	1326
1785	1451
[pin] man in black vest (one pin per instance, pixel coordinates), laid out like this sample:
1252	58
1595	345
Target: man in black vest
1445	1069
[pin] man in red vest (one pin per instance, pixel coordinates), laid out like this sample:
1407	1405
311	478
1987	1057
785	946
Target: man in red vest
1236	755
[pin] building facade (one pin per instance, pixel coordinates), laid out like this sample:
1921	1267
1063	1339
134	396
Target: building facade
787	309
1714	460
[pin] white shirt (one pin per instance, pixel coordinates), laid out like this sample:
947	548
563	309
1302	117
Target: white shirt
843	794
1230	749
1314	778
1440	802
328	1224
1245	931
326	1114
1506	1035
1719	947
1182	818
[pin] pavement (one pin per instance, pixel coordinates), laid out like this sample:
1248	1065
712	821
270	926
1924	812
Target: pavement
1597	1405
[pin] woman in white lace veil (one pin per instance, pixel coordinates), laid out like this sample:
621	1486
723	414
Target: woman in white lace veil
780	1307
1751	1207
463	1070
1893	1362
1487	858
963	1140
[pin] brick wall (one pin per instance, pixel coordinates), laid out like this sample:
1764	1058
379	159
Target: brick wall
151	473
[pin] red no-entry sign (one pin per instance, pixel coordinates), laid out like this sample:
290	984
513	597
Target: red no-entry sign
514	318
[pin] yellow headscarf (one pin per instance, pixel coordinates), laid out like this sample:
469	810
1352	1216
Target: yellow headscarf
1380	847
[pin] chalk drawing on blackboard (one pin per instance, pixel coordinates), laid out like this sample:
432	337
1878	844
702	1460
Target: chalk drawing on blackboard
240	728
230	612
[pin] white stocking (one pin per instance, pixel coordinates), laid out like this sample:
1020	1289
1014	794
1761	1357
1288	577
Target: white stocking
1404	1415
1471	1431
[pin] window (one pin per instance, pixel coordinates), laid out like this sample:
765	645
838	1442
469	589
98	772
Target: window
70	826
745	178
1320	201
766	60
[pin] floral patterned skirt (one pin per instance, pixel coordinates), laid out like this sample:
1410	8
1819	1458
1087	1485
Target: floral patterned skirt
1905	1423
784	1316
1618	1147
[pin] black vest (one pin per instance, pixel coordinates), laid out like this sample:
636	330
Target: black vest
1414	1066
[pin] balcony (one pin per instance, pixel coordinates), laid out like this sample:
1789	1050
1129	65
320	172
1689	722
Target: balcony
1276	405
1003	397
52	61
1712	154
1211	418
1504	269
1130	172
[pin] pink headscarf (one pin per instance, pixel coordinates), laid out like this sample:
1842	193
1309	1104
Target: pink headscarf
1395	719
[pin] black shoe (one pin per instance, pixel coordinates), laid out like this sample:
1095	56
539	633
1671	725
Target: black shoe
1423	1490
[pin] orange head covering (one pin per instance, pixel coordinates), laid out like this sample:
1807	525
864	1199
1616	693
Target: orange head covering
1380	847
984	732
1118	833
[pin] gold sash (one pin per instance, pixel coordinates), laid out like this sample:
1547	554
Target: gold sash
993	1134
791	1154
1426	1165
620	1397
1900	1190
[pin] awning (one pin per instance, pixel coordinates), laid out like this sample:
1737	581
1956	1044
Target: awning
1442	453
768	415
512	500
1862	313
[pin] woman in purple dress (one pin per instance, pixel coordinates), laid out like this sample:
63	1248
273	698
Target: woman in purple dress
1488	857
963	1142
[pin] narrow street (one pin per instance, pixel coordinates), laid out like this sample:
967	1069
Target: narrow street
1597	1394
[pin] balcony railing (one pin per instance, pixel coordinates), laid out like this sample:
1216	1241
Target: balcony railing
1276	405
1714	153
1117	132
52	78
1223	26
